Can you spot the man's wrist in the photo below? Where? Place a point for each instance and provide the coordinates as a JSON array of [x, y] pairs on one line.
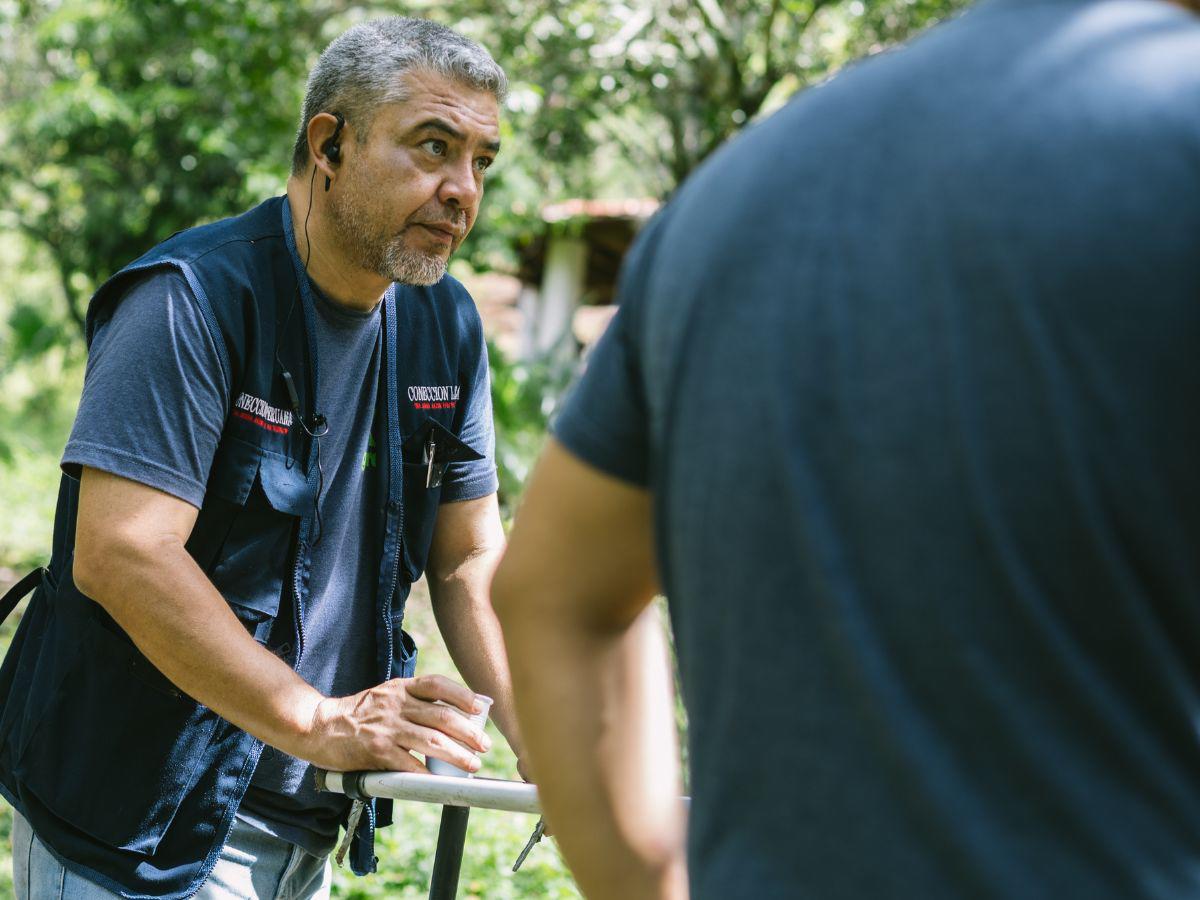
[[302, 722]]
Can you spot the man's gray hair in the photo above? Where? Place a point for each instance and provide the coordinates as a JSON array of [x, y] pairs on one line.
[[359, 72]]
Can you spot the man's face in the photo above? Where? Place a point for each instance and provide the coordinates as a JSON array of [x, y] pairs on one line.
[[407, 197]]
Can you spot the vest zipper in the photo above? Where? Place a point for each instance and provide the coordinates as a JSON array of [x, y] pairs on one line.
[[395, 575], [395, 508], [395, 474], [300, 549]]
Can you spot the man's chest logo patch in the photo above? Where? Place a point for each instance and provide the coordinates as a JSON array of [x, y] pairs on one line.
[[434, 396], [261, 413]]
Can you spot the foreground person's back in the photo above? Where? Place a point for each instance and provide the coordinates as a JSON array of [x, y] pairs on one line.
[[920, 363]]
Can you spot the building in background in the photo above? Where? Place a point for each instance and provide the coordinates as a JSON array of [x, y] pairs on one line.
[[563, 296]]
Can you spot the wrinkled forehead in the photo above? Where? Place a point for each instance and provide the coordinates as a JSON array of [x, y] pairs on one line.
[[423, 95]]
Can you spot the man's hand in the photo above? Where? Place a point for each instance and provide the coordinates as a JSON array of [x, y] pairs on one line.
[[380, 728]]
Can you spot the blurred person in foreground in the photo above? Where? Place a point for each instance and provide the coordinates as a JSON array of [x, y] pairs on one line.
[[900, 412], [285, 420]]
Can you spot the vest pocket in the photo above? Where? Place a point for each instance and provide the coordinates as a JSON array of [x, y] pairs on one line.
[[404, 652], [426, 452], [263, 497], [116, 747], [420, 515]]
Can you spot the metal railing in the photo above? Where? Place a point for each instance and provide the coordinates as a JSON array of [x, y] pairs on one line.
[[456, 795]]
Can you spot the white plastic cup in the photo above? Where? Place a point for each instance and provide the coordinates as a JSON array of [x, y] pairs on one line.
[[441, 767]]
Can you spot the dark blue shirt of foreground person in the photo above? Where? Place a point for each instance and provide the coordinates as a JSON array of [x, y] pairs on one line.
[[912, 372]]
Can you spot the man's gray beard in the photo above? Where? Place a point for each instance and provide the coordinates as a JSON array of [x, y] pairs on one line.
[[381, 255], [411, 267]]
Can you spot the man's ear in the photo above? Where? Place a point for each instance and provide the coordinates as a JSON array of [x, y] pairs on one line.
[[325, 135]]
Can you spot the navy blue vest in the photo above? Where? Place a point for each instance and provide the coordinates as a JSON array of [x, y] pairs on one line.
[[132, 783]]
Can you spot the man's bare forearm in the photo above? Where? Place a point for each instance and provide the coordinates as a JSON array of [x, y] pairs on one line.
[[606, 760], [468, 541], [130, 557], [590, 673], [158, 594], [472, 634], [183, 626]]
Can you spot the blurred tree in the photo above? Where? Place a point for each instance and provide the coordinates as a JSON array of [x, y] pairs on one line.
[[660, 84], [122, 121]]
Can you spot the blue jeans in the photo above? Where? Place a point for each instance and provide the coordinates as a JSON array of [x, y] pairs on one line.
[[252, 866]]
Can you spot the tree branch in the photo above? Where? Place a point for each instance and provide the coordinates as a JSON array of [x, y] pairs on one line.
[[817, 6], [754, 97], [64, 275], [69, 294], [680, 164], [727, 48], [769, 75]]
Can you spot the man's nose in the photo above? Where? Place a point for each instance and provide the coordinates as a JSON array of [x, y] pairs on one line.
[[462, 186]]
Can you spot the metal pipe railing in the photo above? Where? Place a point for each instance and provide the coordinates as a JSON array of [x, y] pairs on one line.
[[448, 790], [456, 795]]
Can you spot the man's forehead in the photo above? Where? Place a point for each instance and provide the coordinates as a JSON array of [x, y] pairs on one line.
[[430, 98]]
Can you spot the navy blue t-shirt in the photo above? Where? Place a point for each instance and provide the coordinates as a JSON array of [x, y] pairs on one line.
[[912, 371], [340, 623], [153, 406]]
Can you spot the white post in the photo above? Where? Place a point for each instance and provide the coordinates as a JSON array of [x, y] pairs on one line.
[[563, 283]]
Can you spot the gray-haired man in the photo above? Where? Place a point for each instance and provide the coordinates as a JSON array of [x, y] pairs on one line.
[[285, 421]]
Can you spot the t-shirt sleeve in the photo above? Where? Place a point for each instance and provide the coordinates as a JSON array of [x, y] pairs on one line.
[[155, 393], [476, 478], [603, 419]]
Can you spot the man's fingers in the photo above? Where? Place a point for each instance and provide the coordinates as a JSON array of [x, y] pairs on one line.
[[376, 728], [440, 746], [448, 721], [439, 687], [406, 762]]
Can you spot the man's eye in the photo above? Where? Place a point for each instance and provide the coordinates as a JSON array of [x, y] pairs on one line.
[[434, 146], [483, 162]]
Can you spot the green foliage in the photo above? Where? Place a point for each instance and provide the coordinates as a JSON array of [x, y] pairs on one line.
[[41, 369], [494, 839], [524, 395], [644, 91], [6, 869], [122, 122]]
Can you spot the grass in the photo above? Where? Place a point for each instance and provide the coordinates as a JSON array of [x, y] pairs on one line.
[[7, 577], [6, 873]]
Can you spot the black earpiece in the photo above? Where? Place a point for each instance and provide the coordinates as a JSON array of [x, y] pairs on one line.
[[331, 148]]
